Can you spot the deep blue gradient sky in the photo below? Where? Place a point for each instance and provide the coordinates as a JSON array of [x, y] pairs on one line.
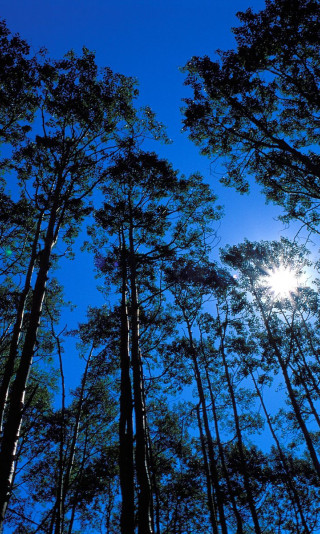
[[150, 40]]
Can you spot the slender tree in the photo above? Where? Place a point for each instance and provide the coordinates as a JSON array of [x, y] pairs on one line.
[[254, 262], [80, 111], [149, 213]]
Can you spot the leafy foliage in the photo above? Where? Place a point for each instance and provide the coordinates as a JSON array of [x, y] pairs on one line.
[[258, 106]]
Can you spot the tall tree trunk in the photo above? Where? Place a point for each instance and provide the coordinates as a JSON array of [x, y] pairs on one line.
[[294, 495], [212, 461], [298, 372], [211, 506], [60, 489], [155, 488], [126, 406], [314, 351], [292, 397], [246, 479], [75, 497], [222, 458], [12, 427], [9, 366], [308, 397], [69, 463], [145, 520]]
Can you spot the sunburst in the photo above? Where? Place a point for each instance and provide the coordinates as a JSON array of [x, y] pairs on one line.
[[282, 281]]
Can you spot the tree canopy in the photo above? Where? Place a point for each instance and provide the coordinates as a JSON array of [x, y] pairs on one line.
[[258, 106], [197, 409]]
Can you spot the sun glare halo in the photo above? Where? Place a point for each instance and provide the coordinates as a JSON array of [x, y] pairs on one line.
[[282, 281]]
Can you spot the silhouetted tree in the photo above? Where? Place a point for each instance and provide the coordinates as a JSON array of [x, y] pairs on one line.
[[258, 106], [81, 111]]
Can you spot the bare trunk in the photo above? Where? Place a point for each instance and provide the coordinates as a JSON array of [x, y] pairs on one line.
[[125, 424], [305, 368], [60, 489], [290, 390], [75, 498], [246, 479], [211, 507], [11, 431], [145, 520], [12, 427], [155, 489], [289, 482], [222, 458], [66, 466], [212, 461], [9, 366]]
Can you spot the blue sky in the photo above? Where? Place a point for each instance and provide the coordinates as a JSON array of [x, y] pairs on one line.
[[149, 40]]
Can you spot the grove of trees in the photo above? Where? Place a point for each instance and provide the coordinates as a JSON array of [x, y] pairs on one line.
[[197, 411]]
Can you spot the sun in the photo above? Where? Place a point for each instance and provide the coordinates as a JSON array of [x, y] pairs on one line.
[[282, 281]]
